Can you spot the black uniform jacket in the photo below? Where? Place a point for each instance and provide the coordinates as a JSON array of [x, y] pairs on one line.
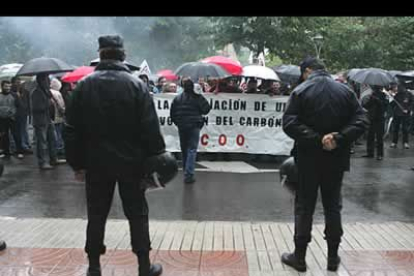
[[320, 106]]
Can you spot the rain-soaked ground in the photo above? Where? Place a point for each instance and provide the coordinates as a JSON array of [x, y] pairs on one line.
[[373, 191]]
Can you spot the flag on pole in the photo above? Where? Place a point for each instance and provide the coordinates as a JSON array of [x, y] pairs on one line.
[[261, 59], [144, 68]]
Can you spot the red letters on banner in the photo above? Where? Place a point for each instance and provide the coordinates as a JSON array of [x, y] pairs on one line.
[[240, 140], [222, 140], [204, 139]]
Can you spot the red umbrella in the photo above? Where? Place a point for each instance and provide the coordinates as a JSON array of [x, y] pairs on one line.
[[168, 74], [78, 74], [231, 66]]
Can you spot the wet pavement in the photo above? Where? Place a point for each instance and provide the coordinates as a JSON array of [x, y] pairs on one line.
[[376, 191]]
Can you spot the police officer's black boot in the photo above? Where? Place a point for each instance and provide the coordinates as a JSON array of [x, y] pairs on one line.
[[145, 267], [333, 259], [94, 268], [296, 259]]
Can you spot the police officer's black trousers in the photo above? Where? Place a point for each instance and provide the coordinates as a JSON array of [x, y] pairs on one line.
[[404, 121], [100, 187], [329, 180], [376, 137]]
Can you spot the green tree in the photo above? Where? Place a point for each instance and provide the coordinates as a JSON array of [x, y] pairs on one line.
[[286, 37], [349, 42], [254, 33]]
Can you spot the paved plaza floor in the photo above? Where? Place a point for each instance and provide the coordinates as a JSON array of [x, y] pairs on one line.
[[236, 220]]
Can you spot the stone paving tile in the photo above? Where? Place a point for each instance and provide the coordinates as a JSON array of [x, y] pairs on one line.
[[399, 260], [179, 260], [25, 271], [55, 247], [79, 270], [78, 257], [223, 261], [38, 257], [364, 260], [73, 262], [224, 273], [125, 259]]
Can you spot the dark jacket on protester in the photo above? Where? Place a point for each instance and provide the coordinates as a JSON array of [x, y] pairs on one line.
[[41, 106], [376, 104], [8, 106], [187, 110], [112, 123], [26, 92], [22, 102], [254, 91], [65, 91], [405, 102], [19, 107], [320, 106]]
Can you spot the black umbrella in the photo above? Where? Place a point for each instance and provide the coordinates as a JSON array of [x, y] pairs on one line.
[[373, 76], [44, 65], [196, 70], [351, 73], [288, 73], [129, 65], [59, 75], [405, 76], [395, 72]]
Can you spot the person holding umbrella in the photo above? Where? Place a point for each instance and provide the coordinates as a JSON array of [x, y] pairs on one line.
[[43, 113], [252, 87], [377, 104], [323, 117], [41, 106], [187, 110]]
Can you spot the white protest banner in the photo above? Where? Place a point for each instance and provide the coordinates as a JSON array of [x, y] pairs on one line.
[[239, 123]]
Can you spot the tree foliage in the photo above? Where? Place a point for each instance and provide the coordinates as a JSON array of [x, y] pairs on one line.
[[167, 42], [349, 42]]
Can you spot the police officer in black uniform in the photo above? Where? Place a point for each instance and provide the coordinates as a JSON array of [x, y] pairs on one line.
[[112, 128], [323, 117]]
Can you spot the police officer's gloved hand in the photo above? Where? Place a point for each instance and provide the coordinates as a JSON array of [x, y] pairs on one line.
[[339, 138]]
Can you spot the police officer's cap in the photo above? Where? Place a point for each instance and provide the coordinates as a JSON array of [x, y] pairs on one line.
[[310, 62], [110, 41]]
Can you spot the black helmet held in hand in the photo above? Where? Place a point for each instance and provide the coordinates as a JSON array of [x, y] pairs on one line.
[[289, 174], [159, 170]]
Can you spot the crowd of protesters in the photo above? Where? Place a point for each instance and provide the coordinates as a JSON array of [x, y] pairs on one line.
[[39, 105], [32, 113], [214, 85]]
